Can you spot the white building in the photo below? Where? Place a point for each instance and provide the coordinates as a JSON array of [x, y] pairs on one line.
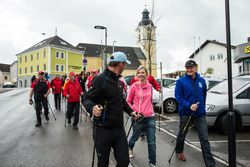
[[213, 54], [13, 73]]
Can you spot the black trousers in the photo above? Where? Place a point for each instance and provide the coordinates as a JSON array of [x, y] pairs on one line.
[[71, 107], [39, 103], [111, 138], [57, 98]]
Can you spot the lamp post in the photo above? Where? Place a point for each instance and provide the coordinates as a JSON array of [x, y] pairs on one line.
[[114, 46], [230, 114], [105, 55]]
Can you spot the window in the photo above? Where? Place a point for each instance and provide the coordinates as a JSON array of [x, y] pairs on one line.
[[57, 54], [20, 60], [44, 67], [37, 68], [62, 68], [212, 57], [5, 77], [20, 71], [57, 67], [31, 69], [25, 59], [62, 55], [31, 57], [25, 70], [244, 94], [220, 56], [37, 56], [44, 54]]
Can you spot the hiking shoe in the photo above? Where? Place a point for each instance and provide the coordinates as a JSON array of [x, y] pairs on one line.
[[38, 124], [181, 156], [151, 165], [47, 117], [69, 121], [130, 152], [143, 136], [75, 128]]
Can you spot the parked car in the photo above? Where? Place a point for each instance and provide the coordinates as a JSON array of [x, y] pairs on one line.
[[217, 104], [169, 103], [128, 79], [8, 85]]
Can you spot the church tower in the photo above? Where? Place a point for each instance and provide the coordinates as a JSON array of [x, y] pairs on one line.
[[146, 40]]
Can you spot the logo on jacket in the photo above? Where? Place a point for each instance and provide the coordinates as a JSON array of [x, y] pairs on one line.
[[200, 85]]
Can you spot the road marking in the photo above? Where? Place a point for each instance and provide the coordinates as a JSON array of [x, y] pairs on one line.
[[222, 141], [195, 147]]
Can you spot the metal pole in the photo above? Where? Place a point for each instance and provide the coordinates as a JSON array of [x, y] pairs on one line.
[[162, 109], [230, 115], [105, 56]]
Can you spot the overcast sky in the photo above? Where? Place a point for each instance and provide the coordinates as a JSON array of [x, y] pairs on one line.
[[22, 23]]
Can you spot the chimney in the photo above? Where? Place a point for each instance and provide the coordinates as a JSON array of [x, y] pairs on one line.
[[248, 39]]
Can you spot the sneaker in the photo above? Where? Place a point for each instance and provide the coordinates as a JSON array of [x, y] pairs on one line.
[[38, 124], [143, 136], [130, 152], [47, 117], [69, 121], [151, 165], [181, 156], [75, 128]]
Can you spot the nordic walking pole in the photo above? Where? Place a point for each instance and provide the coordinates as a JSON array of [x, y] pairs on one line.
[[162, 109], [51, 110], [159, 114], [93, 157], [183, 131], [126, 121], [130, 127]]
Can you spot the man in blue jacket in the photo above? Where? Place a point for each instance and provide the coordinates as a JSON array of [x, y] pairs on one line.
[[190, 93]]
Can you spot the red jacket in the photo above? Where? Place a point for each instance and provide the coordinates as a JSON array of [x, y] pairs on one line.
[[56, 85], [150, 79], [89, 81], [74, 90]]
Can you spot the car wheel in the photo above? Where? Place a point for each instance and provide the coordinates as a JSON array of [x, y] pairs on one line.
[[170, 106], [222, 124]]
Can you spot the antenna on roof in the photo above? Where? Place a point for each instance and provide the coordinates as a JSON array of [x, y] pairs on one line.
[[56, 31]]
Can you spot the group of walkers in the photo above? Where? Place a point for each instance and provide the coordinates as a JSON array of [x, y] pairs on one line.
[[71, 89], [105, 101]]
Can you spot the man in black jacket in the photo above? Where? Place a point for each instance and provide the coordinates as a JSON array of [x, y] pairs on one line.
[[105, 101]]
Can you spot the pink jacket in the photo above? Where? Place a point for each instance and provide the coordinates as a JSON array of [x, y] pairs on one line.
[[141, 95]]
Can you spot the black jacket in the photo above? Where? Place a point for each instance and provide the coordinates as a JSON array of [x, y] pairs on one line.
[[106, 89]]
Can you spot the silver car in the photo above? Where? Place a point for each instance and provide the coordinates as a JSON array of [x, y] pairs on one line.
[[217, 104], [169, 103]]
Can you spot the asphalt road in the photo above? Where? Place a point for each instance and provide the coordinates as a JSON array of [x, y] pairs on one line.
[[23, 144], [51, 145]]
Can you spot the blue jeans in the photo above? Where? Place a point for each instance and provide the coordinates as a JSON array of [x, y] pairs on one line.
[[201, 127], [148, 126]]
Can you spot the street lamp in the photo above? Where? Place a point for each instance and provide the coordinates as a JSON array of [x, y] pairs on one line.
[[105, 55], [114, 46]]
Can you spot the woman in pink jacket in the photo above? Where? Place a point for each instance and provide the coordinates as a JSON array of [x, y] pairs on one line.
[[140, 93]]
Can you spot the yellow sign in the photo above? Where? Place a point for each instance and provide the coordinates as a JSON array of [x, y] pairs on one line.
[[247, 49]]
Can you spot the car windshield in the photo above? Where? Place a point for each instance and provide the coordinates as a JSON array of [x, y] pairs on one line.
[[166, 82], [222, 88]]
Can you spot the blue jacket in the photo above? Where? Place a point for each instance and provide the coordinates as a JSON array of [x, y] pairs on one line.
[[188, 92]]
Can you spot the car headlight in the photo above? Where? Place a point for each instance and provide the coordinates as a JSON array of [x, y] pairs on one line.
[[209, 107]]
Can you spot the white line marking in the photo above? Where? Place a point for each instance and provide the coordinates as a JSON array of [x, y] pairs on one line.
[[195, 147], [222, 141]]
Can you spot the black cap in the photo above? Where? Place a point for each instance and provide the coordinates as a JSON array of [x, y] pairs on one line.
[[190, 63]]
